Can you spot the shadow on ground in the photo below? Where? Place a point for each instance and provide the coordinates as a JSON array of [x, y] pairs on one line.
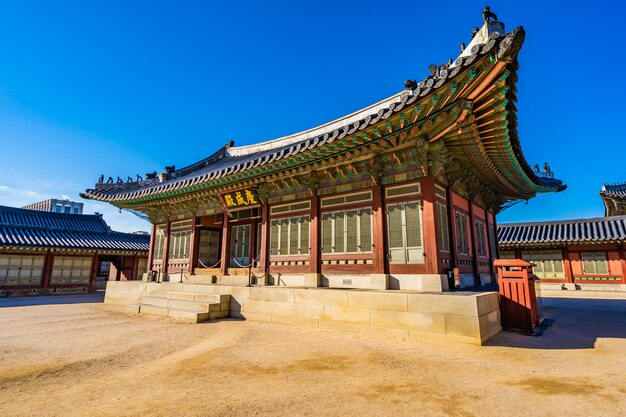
[[578, 324], [48, 300]]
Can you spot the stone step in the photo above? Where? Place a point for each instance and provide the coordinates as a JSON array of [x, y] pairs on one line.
[[187, 315], [239, 280], [179, 313], [178, 295], [172, 303]]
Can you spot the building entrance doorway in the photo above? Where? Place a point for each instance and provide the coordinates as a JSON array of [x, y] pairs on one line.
[[209, 249], [240, 246]]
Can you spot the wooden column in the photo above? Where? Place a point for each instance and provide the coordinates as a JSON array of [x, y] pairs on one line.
[[622, 256], [315, 233], [94, 271], [225, 245], [451, 234], [166, 248], [252, 246], [151, 249], [429, 230], [47, 269], [136, 268], [495, 235], [492, 256], [474, 245], [378, 234], [265, 232], [567, 267], [193, 245]]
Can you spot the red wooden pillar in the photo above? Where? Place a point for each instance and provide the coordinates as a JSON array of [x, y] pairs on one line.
[[473, 243], [622, 257], [265, 233], [567, 266], [428, 225], [380, 251], [194, 243], [47, 269], [166, 248], [252, 247], [315, 261], [451, 229], [225, 245], [151, 249], [495, 236], [136, 271], [94, 271], [492, 241]]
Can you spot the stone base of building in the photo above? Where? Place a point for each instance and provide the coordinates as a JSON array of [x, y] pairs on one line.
[[33, 292], [409, 282], [555, 286], [455, 316]]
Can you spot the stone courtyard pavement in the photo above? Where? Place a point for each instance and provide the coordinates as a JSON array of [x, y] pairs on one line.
[[86, 359]]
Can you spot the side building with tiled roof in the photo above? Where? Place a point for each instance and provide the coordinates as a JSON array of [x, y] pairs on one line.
[[45, 252], [579, 253], [614, 199]]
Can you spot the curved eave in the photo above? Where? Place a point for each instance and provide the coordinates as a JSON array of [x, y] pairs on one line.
[[490, 150], [488, 142]]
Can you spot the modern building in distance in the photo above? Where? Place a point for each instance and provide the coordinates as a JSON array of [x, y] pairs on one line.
[[57, 206], [43, 252], [393, 196]]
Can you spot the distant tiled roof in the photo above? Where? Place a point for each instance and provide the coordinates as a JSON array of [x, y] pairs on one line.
[[578, 231], [614, 199], [31, 228], [617, 191]]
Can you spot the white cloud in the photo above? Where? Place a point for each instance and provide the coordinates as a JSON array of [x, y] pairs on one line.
[[120, 222], [16, 197]]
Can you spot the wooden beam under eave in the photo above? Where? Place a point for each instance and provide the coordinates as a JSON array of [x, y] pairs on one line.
[[462, 115], [495, 71]]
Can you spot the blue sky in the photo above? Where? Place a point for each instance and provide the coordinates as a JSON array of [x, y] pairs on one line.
[[127, 87]]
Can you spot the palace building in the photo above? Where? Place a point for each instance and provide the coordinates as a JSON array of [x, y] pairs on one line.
[[402, 194]]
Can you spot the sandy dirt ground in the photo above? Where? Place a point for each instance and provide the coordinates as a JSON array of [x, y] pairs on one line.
[[89, 360]]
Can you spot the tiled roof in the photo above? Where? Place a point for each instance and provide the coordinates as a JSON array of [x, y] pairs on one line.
[[231, 161], [31, 228], [577, 231], [617, 191]]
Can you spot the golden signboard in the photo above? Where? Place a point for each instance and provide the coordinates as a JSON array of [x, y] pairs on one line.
[[241, 198]]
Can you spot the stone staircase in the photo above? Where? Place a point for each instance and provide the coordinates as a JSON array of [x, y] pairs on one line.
[[182, 305]]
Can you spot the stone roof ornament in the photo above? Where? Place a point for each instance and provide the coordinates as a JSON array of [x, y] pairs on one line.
[[546, 167], [488, 15], [410, 84]]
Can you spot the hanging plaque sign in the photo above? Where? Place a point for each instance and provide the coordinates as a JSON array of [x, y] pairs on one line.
[[241, 198]]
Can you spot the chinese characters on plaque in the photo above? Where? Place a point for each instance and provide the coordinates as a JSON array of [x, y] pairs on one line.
[[242, 198]]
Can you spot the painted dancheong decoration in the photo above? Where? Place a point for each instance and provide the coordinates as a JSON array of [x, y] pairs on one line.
[[392, 196]]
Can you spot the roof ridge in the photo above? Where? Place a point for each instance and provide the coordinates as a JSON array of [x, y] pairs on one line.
[[565, 221]]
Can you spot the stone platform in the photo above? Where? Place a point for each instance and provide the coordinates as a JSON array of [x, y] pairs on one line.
[[456, 316]]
